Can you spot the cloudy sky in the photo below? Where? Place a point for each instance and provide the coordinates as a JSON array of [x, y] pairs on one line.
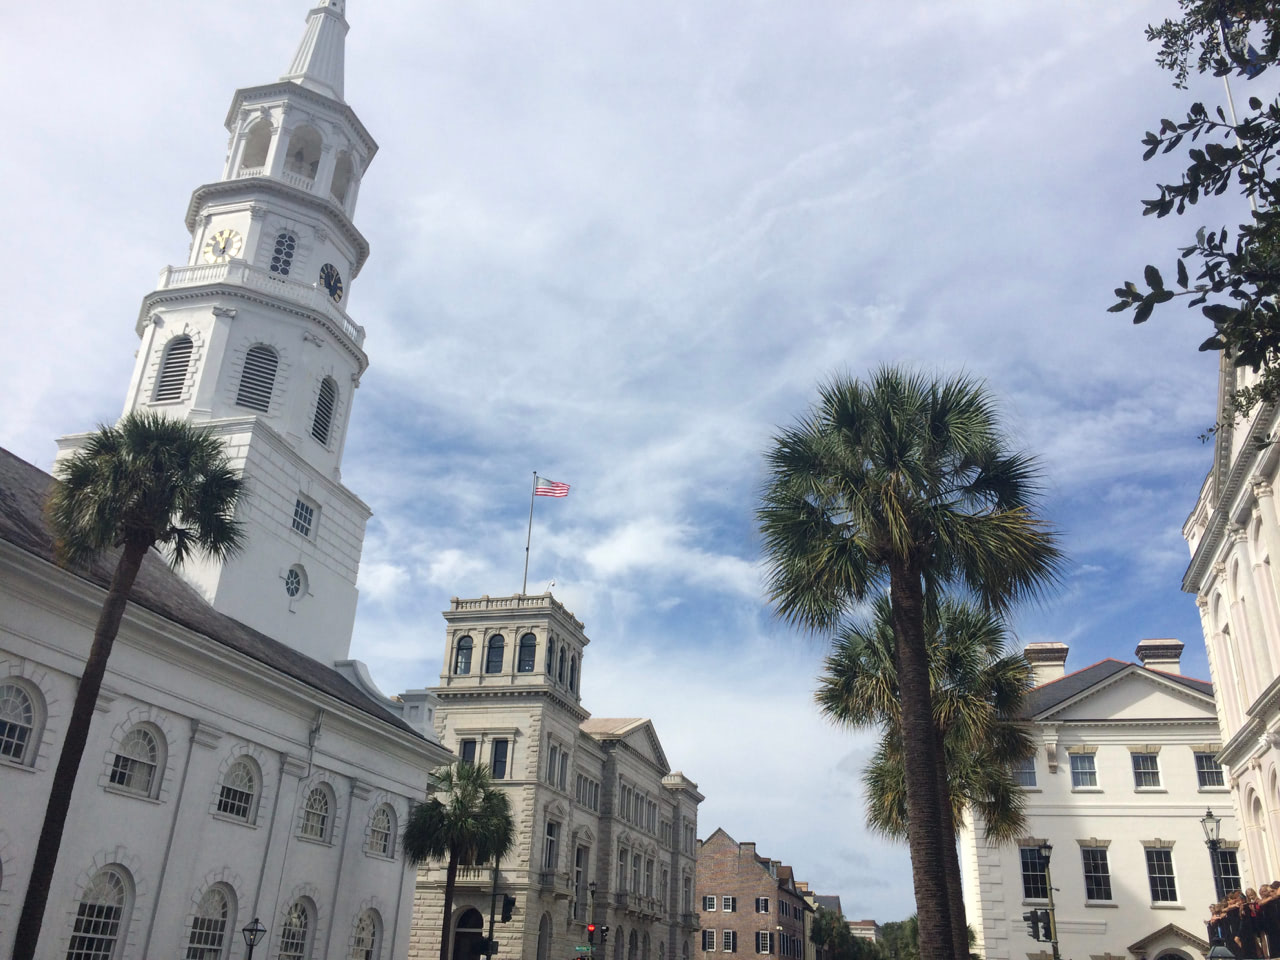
[[620, 244]]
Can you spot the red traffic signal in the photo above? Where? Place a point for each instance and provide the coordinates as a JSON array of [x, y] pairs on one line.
[[591, 933]]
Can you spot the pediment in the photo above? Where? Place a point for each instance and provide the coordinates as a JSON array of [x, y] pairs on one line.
[[643, 739], [1133, 694], [1170, 935]]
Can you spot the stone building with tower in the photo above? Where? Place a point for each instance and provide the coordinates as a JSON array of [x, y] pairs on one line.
[[1233, 532], [606, 831], [239, 765]]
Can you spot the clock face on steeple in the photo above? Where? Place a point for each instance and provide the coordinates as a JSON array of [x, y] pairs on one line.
[[331, 280], [222, 246]]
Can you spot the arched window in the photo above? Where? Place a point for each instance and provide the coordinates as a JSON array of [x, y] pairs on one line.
[[316, 814], [633, 946], [573, 673], [493, 657], [326, 400], [173, 370], [367, 936], [282, 253], [303, 156], [551, 656], [544, 938], [102, 917], [238, 792], [528, 650], [560, 671], [210, 925], [462, 657], [382, 831], [19, 718], [258, 378], [295, 932], [342, 171], [256, 145], [136, 761]]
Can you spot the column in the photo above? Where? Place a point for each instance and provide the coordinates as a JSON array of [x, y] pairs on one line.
[[1270, 540]]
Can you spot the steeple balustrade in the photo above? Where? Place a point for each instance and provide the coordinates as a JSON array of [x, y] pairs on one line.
[[297, 180], [249, 172], [245, 274]]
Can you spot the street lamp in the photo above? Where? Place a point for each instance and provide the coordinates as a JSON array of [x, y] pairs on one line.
[[253, 935], [1046, 851], [1213, 838]]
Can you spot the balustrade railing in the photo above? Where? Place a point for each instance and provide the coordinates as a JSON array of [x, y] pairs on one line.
[[249, 172], [297, 179]]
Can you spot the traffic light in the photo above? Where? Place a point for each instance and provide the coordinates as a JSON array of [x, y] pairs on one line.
[[508, 905], [1033, 924], [604, 934], [1044, 924], [591, 933]]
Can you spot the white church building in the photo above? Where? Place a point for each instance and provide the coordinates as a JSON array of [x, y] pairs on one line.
[[239, 765]]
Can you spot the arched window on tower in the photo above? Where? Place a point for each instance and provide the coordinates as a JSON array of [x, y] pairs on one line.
[[551, 657], [560, 669], [493, 658], [303, 155], [528, 650], [573, 674], [326, 400], [342, 171], [173, 370], [258, 378], [462, 658], [256, 145]]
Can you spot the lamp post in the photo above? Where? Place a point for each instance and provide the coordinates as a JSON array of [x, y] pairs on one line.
[[1213, 840], [1046, 851], [253, 934]]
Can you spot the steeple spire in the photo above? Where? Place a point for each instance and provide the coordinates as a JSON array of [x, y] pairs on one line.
[[318, 64]]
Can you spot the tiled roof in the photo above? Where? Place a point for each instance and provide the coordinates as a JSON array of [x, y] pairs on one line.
[[1049, 695], [23, 490]]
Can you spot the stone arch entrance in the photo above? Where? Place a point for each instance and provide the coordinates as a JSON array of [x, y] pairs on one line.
[[467, 935], [544, 937]]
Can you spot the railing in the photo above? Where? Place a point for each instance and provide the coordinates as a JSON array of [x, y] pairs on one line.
[[249, 172], [247, 275], [558, 883], [297, 179], [689, 920], [517, 602]]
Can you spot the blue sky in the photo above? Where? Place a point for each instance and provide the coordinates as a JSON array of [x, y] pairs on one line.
[[620, 246]]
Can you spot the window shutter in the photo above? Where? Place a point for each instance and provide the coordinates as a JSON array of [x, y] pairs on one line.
[[173, 369], [326, 400], [258, 378]]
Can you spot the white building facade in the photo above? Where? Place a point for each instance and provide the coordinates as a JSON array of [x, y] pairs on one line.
[[238, 765], [1123, 772], [1233, 532], [605, 829]]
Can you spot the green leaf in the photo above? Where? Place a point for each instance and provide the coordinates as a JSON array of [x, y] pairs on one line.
[[1220, 313], [1153, 278], [1119, 307], [1183, 279], [1143, 312]]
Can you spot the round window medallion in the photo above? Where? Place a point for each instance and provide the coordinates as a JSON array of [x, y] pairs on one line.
[[294, 582]]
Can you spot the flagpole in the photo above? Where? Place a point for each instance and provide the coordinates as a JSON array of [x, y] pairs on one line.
[[524, 585]]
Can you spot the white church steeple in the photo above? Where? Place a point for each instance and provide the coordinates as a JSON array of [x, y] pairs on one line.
[[252, 338]]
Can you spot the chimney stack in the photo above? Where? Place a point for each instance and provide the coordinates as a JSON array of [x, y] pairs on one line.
[[1048, 660], [1163, 655]]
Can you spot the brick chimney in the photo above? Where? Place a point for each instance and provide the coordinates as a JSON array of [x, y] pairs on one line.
[[1048, 660], [1161, 654]]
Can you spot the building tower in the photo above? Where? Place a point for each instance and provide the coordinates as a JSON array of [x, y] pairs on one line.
[[251, 338]]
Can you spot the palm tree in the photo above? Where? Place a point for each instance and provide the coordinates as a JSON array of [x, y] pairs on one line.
[[150, 480], [978, 694], [905, 481], [464, 818]]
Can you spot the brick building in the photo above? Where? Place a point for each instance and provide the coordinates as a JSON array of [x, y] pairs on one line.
[[747, 902]]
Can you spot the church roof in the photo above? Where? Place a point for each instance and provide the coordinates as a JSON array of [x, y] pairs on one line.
[[23, 490], [1049, 695]]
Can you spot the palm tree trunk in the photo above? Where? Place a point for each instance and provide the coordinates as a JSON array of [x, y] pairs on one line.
[[955, 891], [77, 735], [450, 878], [925, 837]]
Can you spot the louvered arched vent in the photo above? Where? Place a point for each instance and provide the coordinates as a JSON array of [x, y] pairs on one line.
[[325, 402], [258, 378], [173, 369]]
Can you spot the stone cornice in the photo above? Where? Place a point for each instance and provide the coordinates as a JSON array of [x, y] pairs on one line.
[[450, 695], [253, 188]]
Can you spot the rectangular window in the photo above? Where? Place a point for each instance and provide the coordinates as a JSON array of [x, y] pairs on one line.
[[1160, 872], [1097, 873], [764, 942], [467, 751], [498, 764], [1024, 772], [550, 852], [1146, 770], [635, 872], [762, 904], [1083, 771], [1209, 772], [1229, 870], [622, 869], [1034, 884], [728, 904], [648, 878], [553, 764], [564, 769], [729, 941], [708, 940], [303, 515]]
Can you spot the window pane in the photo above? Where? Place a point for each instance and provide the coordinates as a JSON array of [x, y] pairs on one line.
[[1025, 772], [99, 918], [1209, 771], [1097, 875], [17, 719], [1083, 773], [1034, 885], [499, 765], [1160, 873], [237, 791], [493, 661], [1146, 770], [1229, 870]]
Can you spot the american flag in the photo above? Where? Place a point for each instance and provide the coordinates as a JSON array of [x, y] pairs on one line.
[[542, 487]]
